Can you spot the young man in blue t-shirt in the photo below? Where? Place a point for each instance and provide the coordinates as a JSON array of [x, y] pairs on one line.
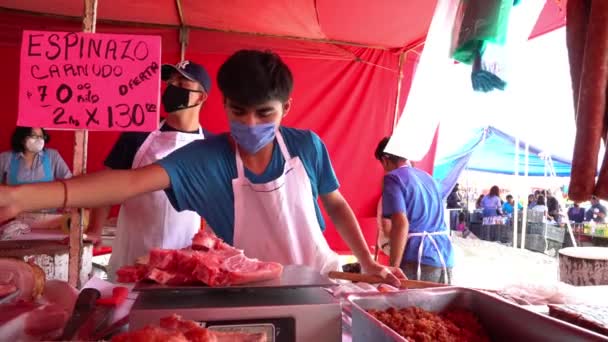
[[419, 240], [257, 187]]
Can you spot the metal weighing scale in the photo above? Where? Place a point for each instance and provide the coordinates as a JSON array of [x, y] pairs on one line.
[[294, 307]]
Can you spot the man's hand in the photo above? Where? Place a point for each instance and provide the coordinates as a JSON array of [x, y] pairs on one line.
[[393, 275], [9, 208]]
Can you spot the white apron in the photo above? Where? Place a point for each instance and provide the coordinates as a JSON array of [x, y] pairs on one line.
[[149, 220], [277, 221], [424, 236]]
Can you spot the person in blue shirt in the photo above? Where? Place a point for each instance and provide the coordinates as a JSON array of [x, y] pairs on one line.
[[257, 186], [507, 207], [419, 238]]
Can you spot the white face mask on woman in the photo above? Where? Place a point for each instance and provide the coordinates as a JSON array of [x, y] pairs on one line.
[[34, 145]]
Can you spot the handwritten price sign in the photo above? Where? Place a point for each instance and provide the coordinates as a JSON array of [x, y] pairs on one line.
[[100, 82]]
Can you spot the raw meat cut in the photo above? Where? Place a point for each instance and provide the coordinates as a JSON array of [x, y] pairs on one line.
[[29, 321], [243, 270], [27, 277], [175, 329], [40, 319], [163, 259], [7, 289], [209, 260], [131, 274]]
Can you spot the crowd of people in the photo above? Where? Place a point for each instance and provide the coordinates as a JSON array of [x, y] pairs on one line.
[[541, 201]]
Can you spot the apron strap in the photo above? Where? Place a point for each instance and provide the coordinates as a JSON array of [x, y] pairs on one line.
[[423, 236], [13, 170], [46, 166], [282, 145], [240, 169]]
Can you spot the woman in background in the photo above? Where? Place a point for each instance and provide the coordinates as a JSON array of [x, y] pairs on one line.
[[29, 161], [491, 203], [541, 207], [492, 215]]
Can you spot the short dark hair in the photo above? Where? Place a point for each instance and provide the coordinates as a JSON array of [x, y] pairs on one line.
[[540, 200], [509, 197], [379, 153], [19, 135], [252, 77]]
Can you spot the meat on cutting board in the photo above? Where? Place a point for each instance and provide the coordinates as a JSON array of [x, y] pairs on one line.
[[175, 329], [30, 321], [209, 260], [27, 277], [7, 289], [42, 307]]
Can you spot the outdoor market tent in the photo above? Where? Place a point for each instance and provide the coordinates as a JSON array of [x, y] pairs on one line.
[[345, 56], [492, 150]]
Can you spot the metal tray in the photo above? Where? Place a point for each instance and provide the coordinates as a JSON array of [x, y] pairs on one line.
[[502, 320], [293, 276]]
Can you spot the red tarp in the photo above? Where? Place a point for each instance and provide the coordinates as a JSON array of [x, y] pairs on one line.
[[344, 93]]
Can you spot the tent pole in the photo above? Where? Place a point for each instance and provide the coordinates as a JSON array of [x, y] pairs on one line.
[[524, 219], [81, 138], [183, 30], [516, 193], [183, 39], [399, 81]]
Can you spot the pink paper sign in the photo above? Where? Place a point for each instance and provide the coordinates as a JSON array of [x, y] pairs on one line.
[[99, 82]]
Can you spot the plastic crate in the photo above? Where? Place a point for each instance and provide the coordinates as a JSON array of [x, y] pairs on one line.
[[535, 228], [489, 232], [536, 242], [506, 235], [556, 233], [535, 216]]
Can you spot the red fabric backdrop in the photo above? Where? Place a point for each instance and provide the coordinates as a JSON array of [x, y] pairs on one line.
[[346, 95]]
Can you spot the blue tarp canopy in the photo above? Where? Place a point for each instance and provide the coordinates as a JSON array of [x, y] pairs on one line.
[[491, 150]]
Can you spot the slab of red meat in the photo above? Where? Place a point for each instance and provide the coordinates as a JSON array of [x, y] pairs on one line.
[[163, 259], [242, 270], [203, 240], [170, 277], [27, 277], [27, 321], [151, 334], [131, 274], [174, 328], [175, 322], [7, 289], [210, 272], [210, 261]]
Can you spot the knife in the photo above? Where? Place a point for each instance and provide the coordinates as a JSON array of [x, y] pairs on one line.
[[84, 307], [103, 313]]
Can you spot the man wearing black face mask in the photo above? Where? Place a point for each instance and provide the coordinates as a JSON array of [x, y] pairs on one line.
[[148, 221]]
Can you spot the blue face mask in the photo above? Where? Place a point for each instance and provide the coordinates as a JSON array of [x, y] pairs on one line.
[[252, 138]]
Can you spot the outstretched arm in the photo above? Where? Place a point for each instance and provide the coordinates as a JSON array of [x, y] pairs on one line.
[[89, 191], [346, 224]]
